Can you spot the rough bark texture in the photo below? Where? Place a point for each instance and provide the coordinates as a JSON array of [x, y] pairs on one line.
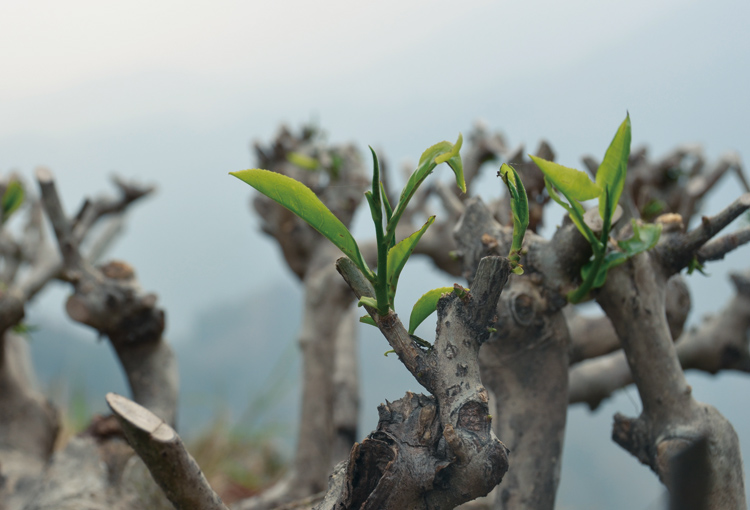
[[430, 452], [434, 451], [531, 338], [634, 299], [592, 337], [720, 342]]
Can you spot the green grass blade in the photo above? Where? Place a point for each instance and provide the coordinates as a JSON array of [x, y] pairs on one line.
[[303, 202], [611, 172], [399, 254], [425, 306], [572, 183]]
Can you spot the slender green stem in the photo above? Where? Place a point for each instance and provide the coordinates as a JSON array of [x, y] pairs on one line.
[[600, 250], [376, 207], [577, 295]]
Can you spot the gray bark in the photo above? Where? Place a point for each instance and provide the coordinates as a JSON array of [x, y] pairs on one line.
[[532, 338], [633, 297], [720, 342], [430, 452]]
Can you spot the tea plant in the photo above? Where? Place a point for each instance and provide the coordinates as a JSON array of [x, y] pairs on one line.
[[391, 255], [576, 187]]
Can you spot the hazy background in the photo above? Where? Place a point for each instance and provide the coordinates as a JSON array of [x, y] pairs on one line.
[[173, 93]]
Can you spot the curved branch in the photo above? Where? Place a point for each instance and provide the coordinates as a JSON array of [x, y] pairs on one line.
[[633, 297], [677, 253], [719, 343], [109, 299], [592, 337]]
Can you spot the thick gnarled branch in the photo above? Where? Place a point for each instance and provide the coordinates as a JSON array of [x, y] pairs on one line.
[[109, 299], [440, 451]]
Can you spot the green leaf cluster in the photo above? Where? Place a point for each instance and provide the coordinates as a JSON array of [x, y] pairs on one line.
[[569, 187], [392, 256]]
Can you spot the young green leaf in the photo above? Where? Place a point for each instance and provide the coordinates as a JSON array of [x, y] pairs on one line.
[[424, 307], [368, 301], [695, 265], [12, 199], [399, 254], [644, 238], [25, 329], [366, 319], [611, 172], [519, 205], [303, 161], [576, 212], [376, 208], [303, 202], [386, 203], [443, 152], [453, 158], [572, 183]]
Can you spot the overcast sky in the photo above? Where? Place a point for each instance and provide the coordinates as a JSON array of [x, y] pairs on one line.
[[173, 93]]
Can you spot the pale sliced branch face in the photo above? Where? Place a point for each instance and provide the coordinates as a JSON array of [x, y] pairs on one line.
[[161, 449]]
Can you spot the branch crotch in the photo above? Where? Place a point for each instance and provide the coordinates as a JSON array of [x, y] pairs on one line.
[[431, 452]]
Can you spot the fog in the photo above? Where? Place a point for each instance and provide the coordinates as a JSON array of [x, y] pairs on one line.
[[173, 93]]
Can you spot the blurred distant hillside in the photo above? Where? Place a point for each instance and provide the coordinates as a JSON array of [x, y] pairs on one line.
[[236, 353]]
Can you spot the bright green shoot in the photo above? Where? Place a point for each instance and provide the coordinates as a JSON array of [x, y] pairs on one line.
[[519, 205], [12, 199], [575, 186], [392, 256]]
